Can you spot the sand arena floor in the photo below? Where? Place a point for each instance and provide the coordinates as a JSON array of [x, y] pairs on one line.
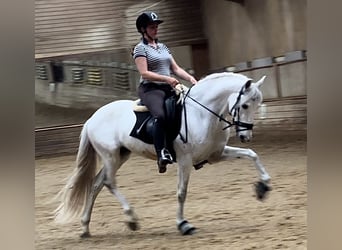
[[220, 203]]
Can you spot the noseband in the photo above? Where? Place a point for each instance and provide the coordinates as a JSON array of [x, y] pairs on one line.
[[238, 123]]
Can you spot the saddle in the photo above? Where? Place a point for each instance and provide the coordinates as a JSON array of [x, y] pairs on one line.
[[142, 129]]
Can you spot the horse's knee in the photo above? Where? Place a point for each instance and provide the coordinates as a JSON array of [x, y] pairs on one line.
[[252, 154]]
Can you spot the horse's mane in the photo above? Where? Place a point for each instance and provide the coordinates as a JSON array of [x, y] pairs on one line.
[[222, 74], [254, 94]]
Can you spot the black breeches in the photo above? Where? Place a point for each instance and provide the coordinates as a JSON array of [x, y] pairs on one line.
[[153, 96]]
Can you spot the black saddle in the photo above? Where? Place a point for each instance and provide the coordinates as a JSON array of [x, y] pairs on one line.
[[144, 124]]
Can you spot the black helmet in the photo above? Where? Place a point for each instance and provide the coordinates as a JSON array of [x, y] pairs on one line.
[[146, 18]]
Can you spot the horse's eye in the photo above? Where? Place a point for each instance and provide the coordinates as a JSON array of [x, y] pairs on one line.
[[244, 106]]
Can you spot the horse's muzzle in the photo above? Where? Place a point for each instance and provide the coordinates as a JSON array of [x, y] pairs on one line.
[[244, 138]]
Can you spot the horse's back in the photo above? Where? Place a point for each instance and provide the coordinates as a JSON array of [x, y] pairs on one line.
[[111, 121], [110, 110]]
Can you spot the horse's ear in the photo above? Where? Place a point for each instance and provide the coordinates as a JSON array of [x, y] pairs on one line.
[[248, 84], [261, 81]]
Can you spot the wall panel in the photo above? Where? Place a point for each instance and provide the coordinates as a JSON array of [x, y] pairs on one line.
[[67, 27]]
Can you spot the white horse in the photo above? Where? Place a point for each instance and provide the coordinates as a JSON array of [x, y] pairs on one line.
[[202, 139]]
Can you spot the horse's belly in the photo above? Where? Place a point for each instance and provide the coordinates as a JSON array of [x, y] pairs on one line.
[[211, 153]]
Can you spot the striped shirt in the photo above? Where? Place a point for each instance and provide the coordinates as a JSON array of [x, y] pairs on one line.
[[158, 59]]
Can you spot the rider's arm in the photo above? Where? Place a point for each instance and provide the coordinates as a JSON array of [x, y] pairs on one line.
[[141, 64], [181, 72]]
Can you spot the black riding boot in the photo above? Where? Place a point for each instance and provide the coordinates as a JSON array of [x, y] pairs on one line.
[[159, 140]]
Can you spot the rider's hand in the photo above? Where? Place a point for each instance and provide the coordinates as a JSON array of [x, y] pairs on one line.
[[192, 80], [172, 81]]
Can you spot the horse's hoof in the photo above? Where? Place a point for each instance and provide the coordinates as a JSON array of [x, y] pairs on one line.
[[186, 228], [161, 169], [261, 190], [85, 235], [134, 226]]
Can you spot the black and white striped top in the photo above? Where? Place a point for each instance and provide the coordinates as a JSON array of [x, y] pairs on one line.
[[158, 59]]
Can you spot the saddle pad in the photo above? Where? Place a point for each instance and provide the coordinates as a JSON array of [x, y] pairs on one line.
[[138, 107], [139, 130]]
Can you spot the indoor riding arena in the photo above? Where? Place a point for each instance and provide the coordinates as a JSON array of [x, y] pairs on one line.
[[83, 61], [221, 202]]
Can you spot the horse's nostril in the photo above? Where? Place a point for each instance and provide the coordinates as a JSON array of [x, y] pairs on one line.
[[244, 138]]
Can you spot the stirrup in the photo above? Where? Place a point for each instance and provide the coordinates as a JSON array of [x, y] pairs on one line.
[[166, 156], [164, 159]]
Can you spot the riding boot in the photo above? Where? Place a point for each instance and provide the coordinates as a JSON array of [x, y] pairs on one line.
[[159, 140]]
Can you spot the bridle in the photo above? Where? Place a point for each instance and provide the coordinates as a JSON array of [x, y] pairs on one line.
[[234, 112]]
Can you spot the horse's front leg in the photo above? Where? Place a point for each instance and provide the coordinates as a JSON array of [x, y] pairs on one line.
[[262, 187], [184, 170]]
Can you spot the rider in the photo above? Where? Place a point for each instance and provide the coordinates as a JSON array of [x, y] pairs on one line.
[[154, 63]]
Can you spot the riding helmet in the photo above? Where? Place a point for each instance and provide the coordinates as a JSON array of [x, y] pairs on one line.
[[146, 18]]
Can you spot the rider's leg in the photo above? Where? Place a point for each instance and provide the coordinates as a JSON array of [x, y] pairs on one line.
[[153, 98], [159, 137]]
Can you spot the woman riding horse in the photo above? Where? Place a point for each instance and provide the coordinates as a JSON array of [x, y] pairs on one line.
[[155, 63]]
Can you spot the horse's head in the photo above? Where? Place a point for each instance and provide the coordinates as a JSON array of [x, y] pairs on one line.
[[243, 106]]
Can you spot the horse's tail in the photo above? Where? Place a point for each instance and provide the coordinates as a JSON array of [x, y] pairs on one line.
[[78, 187]]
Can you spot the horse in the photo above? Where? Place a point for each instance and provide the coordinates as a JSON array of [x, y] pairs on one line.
[[203, 138]]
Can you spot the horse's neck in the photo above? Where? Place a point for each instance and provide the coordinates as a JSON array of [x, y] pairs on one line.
[[210, 94], [213, 93]]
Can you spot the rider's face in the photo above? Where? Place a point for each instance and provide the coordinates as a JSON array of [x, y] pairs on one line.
[[152, 30]]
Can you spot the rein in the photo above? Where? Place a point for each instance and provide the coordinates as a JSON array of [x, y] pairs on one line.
[[221, 118]]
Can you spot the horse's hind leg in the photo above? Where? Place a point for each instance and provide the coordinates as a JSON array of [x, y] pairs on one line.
[[96, 188], [132, 219], [98, 183], [112, 166]]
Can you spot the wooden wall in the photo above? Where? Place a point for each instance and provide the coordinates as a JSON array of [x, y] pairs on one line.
[[287, 115], [56, 141], [66, 27]]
